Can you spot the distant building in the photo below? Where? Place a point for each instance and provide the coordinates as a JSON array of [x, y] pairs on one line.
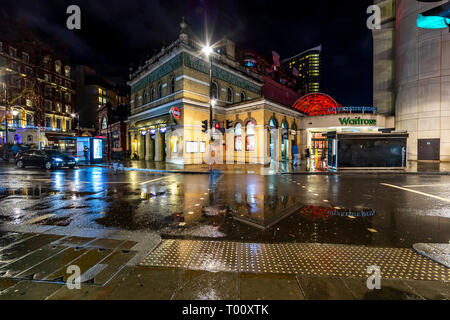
[[307, 67], [95, 91], [112, 126], [40, 95], [279, 85]]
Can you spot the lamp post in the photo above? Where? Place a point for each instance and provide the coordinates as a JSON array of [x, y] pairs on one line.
[[6, 122], [207, 50]]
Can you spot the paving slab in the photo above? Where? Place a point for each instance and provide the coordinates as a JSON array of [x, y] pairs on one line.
[[89, 292], [390, 290], [269, 287], [30, 260], [29, 290], [148, 284], [202, 285], [324, 288]]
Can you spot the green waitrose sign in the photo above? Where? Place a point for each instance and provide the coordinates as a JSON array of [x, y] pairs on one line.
[[357, 122]]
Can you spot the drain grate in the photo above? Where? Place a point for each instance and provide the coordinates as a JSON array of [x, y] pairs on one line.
[[295, 258]]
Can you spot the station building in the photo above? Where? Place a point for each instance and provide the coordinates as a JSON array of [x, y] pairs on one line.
[[170, 97]]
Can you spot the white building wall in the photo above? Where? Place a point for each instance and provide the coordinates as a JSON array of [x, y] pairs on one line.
[[422, 79]]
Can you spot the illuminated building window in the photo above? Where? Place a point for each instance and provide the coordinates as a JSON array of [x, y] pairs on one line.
[[230, 95], [215, 90], [172, 85], [159, 90], [238, 137], [250, 136], [242, 96], [145, 97]]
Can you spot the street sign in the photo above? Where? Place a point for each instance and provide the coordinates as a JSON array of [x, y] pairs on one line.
[[175, 112]]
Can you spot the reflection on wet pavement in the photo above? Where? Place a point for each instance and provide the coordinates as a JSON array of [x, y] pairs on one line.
[[351, 209]]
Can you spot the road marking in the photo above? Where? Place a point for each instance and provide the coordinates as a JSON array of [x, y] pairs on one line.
[[427, 185], [157, 179], [418, 192], [45, 216]]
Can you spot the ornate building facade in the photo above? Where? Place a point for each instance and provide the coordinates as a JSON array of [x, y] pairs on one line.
[[170, 100]]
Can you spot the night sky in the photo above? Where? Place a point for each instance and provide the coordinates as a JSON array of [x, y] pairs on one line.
[[117, 33]]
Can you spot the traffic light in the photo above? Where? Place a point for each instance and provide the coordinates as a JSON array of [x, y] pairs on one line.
[[229, 124], [218, 125], [205, 126]]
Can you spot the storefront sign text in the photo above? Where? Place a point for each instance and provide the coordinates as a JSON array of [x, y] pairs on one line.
[[357, 122]]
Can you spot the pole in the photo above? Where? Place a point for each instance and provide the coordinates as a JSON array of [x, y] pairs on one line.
[[210, 97], [6, 123], [210, 112]]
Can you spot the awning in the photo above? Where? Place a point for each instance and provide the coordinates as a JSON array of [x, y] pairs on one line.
[[154, 123]]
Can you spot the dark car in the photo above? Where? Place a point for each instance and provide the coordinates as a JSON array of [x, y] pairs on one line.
[[44, 158]]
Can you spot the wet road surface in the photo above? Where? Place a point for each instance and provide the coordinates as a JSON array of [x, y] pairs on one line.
[[389, 210]]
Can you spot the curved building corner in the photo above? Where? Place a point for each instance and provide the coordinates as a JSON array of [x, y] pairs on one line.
[[412, 77]]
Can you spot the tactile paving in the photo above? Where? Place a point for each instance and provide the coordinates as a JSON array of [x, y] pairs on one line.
[[296, 258]]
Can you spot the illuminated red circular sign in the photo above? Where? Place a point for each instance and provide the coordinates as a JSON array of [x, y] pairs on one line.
[[176, 113]]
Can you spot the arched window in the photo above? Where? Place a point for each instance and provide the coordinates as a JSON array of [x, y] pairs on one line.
[[242, 96], [145, 97], [215, 90], [230, 95], [284, 125], [250, 136], [159, 90], [104, 123], [238, 129], [172, 84], [273, 123], [152, 94], [294, 126], [238, 137]]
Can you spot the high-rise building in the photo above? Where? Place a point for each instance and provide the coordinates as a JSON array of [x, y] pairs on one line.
[[412, 77], [94, 92], [307, 67]]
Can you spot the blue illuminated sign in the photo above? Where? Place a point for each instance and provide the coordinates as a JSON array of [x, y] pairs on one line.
[[356, 109], [432, 22]]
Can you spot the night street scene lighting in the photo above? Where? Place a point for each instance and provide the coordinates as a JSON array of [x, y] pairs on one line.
[[257, 154]]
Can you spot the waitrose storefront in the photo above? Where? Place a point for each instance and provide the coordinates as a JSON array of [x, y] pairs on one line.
[[315, 129]]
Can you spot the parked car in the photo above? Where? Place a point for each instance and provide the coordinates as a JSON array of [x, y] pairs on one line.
[[47, 159]]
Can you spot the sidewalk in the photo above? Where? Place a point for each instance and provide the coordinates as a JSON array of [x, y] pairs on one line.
[[114, 260], [413, 167]]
